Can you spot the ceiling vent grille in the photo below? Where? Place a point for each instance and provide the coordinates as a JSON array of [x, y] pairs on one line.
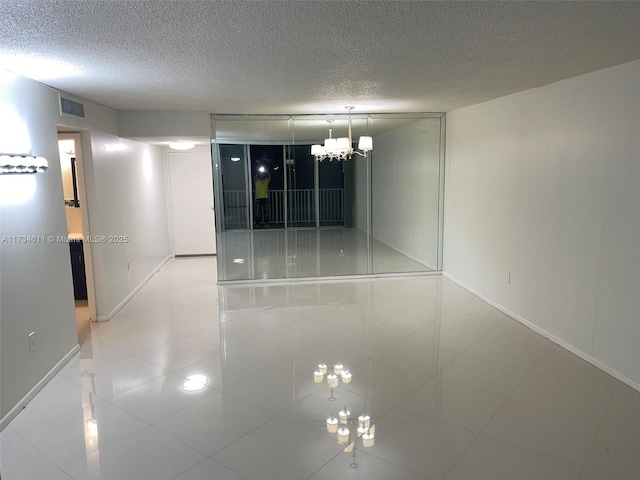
[[72, 108]]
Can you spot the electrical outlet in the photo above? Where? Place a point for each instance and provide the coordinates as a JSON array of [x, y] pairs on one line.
[[32, 341], [509, 278]]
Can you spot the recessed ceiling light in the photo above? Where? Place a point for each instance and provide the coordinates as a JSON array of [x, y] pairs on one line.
[[235, 159], [181, 145], [238, 260]]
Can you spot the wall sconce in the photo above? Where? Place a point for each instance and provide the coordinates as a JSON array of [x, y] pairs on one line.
[[14, 164]]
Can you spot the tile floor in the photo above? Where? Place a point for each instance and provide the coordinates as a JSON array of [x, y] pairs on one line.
[[310, 253], [456, 390]]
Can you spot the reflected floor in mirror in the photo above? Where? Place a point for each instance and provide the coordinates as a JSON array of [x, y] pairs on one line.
[[303, 253], [405, 378]]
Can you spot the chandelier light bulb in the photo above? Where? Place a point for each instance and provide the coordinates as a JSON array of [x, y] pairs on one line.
[[332, 424], [365, 144], [344, 416], [364, 420], [343, 435]]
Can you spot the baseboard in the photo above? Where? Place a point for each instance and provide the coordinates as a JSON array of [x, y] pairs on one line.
[[36, 389], [112, 313], [550, 336]]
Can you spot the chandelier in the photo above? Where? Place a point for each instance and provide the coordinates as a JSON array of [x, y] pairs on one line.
[[341, 148]]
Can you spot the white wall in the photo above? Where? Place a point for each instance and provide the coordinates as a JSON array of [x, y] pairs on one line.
[[36, 292], [126, 190], [134, 123], [405, 182], [191, 181], [544, 184], [129, 195], [126, 184]]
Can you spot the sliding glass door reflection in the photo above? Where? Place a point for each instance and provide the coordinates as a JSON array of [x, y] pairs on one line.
[[363, 216]]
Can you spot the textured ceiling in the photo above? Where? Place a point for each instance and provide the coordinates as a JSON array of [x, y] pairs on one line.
[[310, 57]]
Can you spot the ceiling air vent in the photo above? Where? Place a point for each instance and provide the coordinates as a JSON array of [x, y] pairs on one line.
[[71, 107]]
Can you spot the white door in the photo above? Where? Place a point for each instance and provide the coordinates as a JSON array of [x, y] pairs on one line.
[[192, 203]]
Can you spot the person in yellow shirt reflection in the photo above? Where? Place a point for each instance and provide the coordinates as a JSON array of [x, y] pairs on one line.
[[261, 183]]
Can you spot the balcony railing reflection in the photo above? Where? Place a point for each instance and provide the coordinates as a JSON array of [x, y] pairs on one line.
[[300, 207]]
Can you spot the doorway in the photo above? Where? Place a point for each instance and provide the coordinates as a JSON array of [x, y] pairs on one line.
[[74, 193], [192, 214]]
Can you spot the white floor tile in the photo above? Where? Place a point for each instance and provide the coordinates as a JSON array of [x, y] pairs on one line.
[[159, 398], [564, 382], [499, 348], [93, 354], [489, 459], [624, 409], [369, 468], [454, 404], [58, 398], [615, 452], [146, 455], [415, 357], [483, 375], [210, 470], [139, 339], [272, 348], [385, 383], [82, 432], [21, 461], [280, 450], [213, 423], [225, 369], [435, 335], [432, 364], [421, 445], [178, 354], [274, 389], [117, 377], [313, 411], [567, 436]]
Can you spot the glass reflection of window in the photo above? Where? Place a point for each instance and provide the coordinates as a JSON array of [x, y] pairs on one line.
[[376, 215]]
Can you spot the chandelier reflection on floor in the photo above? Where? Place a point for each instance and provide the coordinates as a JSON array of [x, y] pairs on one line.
[[347, 428]]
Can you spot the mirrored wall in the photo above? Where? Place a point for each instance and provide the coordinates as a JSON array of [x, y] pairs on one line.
[[281, 213]]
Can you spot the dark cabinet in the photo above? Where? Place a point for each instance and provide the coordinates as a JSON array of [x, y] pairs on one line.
[[77, 269]]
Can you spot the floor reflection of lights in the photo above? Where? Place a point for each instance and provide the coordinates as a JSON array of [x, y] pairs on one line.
[[453, 388]]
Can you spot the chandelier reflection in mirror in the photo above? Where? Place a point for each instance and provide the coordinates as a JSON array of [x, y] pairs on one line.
[[346, 427], [342, 148]]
